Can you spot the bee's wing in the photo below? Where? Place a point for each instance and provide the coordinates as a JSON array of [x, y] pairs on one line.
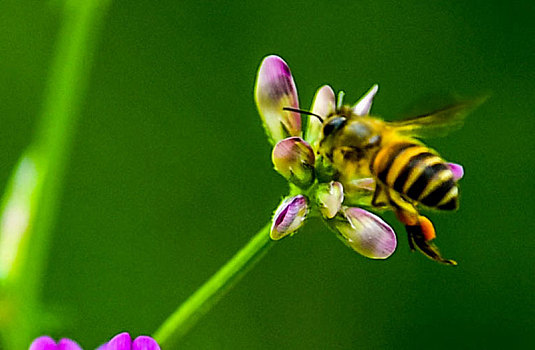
[[438, 123]]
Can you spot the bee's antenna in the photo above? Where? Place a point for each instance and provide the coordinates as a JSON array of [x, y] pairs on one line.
[[302, 112]]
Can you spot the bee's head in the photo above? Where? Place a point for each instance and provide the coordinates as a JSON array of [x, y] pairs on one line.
[[332, 127], [339, 130]]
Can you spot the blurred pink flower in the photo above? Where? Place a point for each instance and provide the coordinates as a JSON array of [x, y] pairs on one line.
[[121, 341]]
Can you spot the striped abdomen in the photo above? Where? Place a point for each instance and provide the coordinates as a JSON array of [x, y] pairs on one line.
[[416, 172]]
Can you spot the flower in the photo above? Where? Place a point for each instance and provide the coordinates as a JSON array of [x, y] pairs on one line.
[[365, 233], [313, 190], [294, 159], [275, 89], [289, 217], [47, 343], [329, 198], [121, 341]]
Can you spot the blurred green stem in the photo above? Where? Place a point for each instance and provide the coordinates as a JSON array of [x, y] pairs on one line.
[[200, 302], [30, 203]]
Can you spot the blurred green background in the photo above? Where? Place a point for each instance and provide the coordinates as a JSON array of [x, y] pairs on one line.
[[170, 174]]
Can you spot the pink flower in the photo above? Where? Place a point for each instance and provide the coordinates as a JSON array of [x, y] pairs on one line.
[[313, 189], [121, 341], [47, 343]]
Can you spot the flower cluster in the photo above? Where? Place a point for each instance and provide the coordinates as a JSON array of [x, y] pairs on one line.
[[121, 341], [313, 190]]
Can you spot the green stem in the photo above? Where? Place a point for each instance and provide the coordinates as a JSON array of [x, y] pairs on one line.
[[200, 302], [31, 201]]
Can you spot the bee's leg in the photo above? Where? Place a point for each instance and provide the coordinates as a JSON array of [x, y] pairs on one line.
[[421, 233], [419, 236], [410, 219], [380, 196]]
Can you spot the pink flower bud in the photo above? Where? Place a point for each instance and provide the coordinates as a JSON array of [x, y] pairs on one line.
[[366, 233], [274, 90], [289, 217], [329, 198], [294, 159], [457, 170], [364, 105], [323, 105]]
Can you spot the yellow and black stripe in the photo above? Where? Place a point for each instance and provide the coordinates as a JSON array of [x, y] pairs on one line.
[[416, 172]]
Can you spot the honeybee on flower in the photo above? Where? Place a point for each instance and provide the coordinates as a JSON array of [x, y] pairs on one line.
[[347, 160]]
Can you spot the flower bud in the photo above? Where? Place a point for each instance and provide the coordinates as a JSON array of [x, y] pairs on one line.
[[366, 233], [457, 170], [323, 105], [329, 198], [274, 90], [289, 217], [293, 158], [364, 105]]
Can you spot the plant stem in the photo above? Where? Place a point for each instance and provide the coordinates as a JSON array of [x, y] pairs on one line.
[[30, 204], [200, 302]]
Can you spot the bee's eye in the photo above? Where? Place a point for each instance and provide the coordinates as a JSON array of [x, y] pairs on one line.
[[333, 125]]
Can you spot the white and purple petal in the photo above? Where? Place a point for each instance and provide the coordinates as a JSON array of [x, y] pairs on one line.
[[274, 90], [289, 217], [329, 197], [457, 170], [294, 159], [364, 105], [365, 184], [366, 233], [323, 105]]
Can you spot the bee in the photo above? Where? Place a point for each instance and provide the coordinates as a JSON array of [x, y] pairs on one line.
[[406, 173]]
